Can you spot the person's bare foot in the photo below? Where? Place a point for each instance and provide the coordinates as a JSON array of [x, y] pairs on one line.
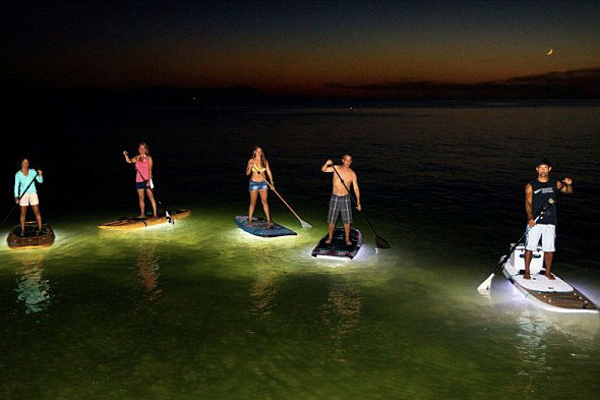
[[328, 241], [527, 276], [551, 277], [141, 216], [348, 243], [269, 225]]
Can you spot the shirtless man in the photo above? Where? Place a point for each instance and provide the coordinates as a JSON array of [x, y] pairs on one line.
[[341, 202]]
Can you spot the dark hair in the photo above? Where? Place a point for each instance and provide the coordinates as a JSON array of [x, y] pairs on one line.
[[347, 154], [21, 161], [543, 161]]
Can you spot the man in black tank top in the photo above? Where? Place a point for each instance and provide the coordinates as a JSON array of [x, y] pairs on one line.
[[540, 224]]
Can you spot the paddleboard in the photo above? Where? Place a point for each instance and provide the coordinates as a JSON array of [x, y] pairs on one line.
[[338, 247], [260, 227], [550, 294], [32, 238], [125, 223]]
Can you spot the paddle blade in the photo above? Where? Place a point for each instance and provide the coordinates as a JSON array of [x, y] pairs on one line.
[[305, 224], [487, 284], [169, 219], [382, 243]]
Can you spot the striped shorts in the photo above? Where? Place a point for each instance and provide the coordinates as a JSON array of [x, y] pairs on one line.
[[340, 205]]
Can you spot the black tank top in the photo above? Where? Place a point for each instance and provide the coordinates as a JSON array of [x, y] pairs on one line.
[[542, 192]]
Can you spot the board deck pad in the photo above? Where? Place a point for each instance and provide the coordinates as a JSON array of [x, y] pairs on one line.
[[261, 228], [338, 247], [32, 238], [125, 223], [542, 284], [550, 294]]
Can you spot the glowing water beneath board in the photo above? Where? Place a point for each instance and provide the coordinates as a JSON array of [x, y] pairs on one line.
[[203, 310]]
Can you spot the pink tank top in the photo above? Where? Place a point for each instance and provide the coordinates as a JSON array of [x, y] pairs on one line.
[[142, 169]]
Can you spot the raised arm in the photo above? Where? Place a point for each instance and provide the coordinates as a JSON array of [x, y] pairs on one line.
[[529, 204], [328, 166], [249, 166], [39, 177], [565, 186], [129, 160], [356, 191]]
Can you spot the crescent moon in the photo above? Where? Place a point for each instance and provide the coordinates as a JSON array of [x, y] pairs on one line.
[[550, 52]]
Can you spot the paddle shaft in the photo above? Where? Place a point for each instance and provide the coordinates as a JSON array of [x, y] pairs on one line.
[[513, 248], [284, 202], [353, 199], [17, 202]]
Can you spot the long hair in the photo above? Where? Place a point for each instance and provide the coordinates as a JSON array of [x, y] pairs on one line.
[[263, 158], [145, 145], [21, 161]]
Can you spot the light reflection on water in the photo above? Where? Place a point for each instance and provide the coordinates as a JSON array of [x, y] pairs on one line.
[[34, 291], [205, 310]]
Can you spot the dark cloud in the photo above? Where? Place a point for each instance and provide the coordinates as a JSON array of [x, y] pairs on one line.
[[569, 78], [580, 83]]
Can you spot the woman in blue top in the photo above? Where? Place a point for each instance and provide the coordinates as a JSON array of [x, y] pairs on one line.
[[26, 194]]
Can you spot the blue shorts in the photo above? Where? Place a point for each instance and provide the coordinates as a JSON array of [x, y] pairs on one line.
[[262, 185], [141, 185]]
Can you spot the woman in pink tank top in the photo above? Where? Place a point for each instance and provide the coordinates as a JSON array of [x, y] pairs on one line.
[[143, 178]]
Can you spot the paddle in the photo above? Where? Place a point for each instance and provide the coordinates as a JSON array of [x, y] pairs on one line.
[[303, 223], [17, 202], [381, 242], [485, 285], [169, 219]]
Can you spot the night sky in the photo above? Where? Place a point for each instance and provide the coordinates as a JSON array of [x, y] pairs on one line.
[[296, 47]]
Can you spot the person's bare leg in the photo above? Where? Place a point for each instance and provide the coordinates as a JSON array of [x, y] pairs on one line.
[[38, 216], [528, 255], [548, 258], [253, 198], [142, 203], [347, 234], [153, 202], [264, 193], [22, 218], [330, 229]]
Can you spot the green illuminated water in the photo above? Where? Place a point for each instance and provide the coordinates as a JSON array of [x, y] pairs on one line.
[[203, 310]]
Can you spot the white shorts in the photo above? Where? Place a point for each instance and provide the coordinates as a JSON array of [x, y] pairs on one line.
[[29, 199], [547, 232]]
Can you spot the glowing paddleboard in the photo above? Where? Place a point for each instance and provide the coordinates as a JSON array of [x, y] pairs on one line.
[[125, 223], [550, 294], [32, 238], [262, 228], [338, 248]]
